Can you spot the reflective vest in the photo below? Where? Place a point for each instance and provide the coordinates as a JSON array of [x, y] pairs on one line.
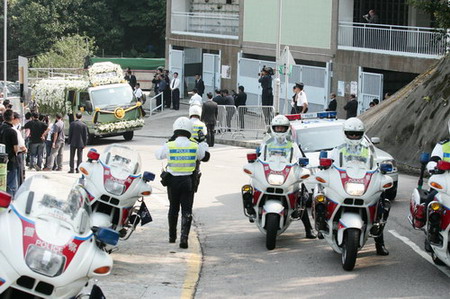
[[271, 147], [195, 129], [446, 151], [182, 159], [363, 153]]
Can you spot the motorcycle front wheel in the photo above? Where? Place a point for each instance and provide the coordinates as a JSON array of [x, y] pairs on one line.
[[350, 248], [272, 225]]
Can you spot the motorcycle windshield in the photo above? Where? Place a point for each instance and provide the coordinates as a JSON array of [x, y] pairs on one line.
[[43, 198], [358, 157], [122, 160], [275, 153]]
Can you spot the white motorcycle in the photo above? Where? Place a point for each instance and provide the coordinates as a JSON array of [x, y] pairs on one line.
[[274, 196], [114, 184], [48, 248], [346, 206], [433, 216]]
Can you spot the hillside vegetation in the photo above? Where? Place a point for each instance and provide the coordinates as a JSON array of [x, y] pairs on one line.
[[415, 118]]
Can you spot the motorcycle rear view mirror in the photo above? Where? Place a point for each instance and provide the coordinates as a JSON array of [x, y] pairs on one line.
[[424, 158], [375, 140], [303, 162], [93, 155], [385, 168], [251, 157], [443, 165], [107, 235], [5, 199], [148, 176]]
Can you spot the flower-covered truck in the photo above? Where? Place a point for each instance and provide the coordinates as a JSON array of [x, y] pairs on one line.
[[104, 98]]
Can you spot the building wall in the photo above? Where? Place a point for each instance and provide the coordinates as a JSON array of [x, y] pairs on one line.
[[260, 22]]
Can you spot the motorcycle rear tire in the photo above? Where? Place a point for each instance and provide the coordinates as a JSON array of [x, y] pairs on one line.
[[350, 248], [436, 260], [272, 225]]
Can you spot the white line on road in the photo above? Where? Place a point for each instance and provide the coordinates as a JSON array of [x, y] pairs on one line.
[[419, 251]]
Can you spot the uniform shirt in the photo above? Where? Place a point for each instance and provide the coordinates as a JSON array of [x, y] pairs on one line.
[[196, 99], [439, 152], [360, 150], [181, 141], [302, 99]]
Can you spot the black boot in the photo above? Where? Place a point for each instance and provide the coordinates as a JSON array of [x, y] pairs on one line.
[[379, 245], [307, 224], [185, 228], [172, 228]]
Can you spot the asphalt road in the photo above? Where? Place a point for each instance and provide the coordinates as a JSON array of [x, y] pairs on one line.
[[236, 262]]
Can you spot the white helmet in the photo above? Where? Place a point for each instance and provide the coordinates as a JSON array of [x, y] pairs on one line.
[[283, 132], [183, 124], [353, 131], [195, 110]]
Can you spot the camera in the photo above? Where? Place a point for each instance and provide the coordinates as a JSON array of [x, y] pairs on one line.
[[268, 69]]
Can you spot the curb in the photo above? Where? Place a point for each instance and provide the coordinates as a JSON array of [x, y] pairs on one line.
[[194, 268], [253, 144]]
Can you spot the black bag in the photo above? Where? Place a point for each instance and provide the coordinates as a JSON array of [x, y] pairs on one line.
[[166, 177]]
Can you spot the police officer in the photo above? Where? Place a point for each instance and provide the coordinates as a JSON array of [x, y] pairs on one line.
[[440, 152], [197, 125], [355, 148], [280, 141], [181, 154]]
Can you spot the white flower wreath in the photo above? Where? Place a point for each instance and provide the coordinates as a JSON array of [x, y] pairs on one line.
[[101, 73], [119, 126]]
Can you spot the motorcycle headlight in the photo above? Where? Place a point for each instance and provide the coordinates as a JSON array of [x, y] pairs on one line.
[[114, 187], [44, 261], [392, 162], [275, 179], [355, 189]]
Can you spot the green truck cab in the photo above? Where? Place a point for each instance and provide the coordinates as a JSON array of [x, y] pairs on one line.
[[106, 101]]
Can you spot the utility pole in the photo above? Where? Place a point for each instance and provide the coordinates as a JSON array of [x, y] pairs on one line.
[[276, 101], [5, 31]]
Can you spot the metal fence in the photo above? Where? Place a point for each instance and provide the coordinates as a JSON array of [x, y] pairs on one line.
[[403, 40], [151, 104], [245, 121]]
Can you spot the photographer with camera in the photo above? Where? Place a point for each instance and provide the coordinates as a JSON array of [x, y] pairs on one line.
[[371, 17], [267, 96]]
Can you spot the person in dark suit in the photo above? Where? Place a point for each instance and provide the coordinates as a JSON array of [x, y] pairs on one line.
[[209, 117], [219, 99], [199, 85], [78, 136], [351, 107], [332, 106], [240, 100], [131, 78]]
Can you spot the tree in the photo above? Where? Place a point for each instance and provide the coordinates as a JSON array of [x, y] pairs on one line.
[[439, 10], [68, 52]]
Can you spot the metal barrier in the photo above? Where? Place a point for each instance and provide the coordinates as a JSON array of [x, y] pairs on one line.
[[151, 106], [245, 121]]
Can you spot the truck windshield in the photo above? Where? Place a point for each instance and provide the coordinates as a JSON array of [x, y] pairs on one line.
[[114, 95]]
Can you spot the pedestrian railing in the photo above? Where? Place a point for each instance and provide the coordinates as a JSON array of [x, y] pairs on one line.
[[390, 39], [151, 105], [244, 121]]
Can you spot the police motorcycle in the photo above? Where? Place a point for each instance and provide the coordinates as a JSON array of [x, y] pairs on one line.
[[114, 184], [48, 247], [432, 213], [275, 195], [347, 207]]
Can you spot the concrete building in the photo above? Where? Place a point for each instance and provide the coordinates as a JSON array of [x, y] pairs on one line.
[[334, 47]]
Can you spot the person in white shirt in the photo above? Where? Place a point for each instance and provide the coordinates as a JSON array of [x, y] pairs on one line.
[[196, 99], [138, 92], [175, 91], [302, 101]]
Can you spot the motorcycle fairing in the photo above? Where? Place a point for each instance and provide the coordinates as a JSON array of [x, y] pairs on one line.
[[267, 171], [345, 178], [30, 237]]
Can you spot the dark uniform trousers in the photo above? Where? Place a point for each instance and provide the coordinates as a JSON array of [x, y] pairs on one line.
[[180, 193]]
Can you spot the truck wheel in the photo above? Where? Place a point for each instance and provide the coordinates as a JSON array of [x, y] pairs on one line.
[[272, 225], [128, 135], [350, 248]]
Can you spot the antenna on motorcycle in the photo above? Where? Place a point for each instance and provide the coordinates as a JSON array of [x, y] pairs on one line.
[[93, 155], [424, 159]]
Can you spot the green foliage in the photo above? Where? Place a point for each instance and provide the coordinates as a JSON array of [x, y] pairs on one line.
[[438, 9], [68, 52]]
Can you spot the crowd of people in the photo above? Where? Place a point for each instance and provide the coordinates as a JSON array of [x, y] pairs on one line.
[[37, 142]]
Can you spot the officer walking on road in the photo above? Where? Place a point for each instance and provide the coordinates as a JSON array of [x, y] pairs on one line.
[[182, 155]]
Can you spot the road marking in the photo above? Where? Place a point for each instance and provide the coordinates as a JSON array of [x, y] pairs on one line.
[[420, 252], [194, 266]]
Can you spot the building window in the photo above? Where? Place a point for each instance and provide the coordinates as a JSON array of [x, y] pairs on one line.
[[390, 12]]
